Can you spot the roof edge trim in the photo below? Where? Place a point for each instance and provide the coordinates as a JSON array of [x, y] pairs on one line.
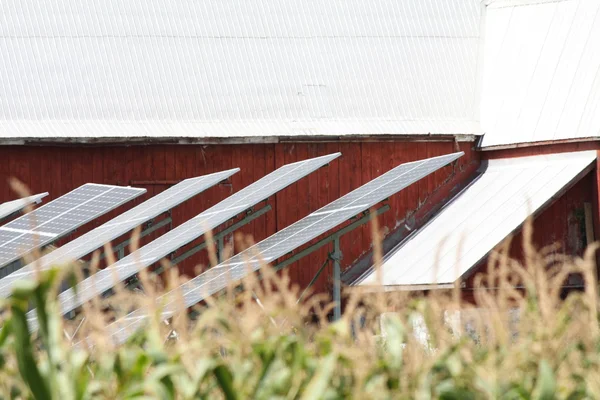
[[94, 141], [539, 143]]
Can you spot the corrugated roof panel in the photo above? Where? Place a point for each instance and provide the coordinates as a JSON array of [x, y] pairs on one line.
[[591, 115], [239, 18], [580, 93], [234, 61], [479, 218], [541, 72], [549, 55], [520, 75], [567, 70]]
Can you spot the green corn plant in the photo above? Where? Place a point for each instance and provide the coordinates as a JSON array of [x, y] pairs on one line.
[[236, 349]]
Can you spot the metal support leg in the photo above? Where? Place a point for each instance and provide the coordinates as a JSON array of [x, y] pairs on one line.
[[313, 280], [336, 256], [220, 248], [366, 218], [337, 279]]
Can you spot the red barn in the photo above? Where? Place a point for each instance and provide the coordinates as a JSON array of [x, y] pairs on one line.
[[147, 94], [540, 113]]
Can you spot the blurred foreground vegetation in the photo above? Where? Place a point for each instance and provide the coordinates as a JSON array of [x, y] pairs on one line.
[[521, 341]]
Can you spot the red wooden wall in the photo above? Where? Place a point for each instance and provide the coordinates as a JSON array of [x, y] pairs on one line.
[[60, 169]]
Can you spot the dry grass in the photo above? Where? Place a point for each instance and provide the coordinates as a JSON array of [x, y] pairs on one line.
[[520, 340]]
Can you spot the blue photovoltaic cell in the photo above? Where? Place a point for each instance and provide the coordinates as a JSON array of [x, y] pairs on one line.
[[9, 208], [189, 231], [286, 240], [116, 227], [59, 217]]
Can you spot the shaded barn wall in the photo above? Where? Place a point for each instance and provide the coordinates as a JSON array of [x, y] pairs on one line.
[[563, 223], [58, 170]]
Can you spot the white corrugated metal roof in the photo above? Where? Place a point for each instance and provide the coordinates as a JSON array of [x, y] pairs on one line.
[[216, 67], [479, 218], [541, 71]]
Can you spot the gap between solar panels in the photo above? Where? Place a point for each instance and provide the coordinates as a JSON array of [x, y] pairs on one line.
[[187, 232], [118, 226], [281, 243], [12, 208], [50, 222]]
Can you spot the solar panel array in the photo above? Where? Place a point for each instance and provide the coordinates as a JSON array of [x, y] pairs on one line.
[[116, 227], [288, 239], [59, 217], [189, 231], [11, 207]]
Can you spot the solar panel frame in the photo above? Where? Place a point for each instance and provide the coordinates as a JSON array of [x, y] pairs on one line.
[[11, 207], [57, 218], [273, 247], [123, 223], [189, 231]]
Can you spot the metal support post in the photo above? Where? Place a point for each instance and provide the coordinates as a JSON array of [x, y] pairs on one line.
[[220, 248], [330, 238], [337, 279], [336, 256]]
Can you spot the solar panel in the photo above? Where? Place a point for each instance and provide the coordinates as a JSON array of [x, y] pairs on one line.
[[286, 240], [116, 227], [11, 207], [189, 231], [59, 217]]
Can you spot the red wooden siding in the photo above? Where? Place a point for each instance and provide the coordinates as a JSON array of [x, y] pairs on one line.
[[60, 169]]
